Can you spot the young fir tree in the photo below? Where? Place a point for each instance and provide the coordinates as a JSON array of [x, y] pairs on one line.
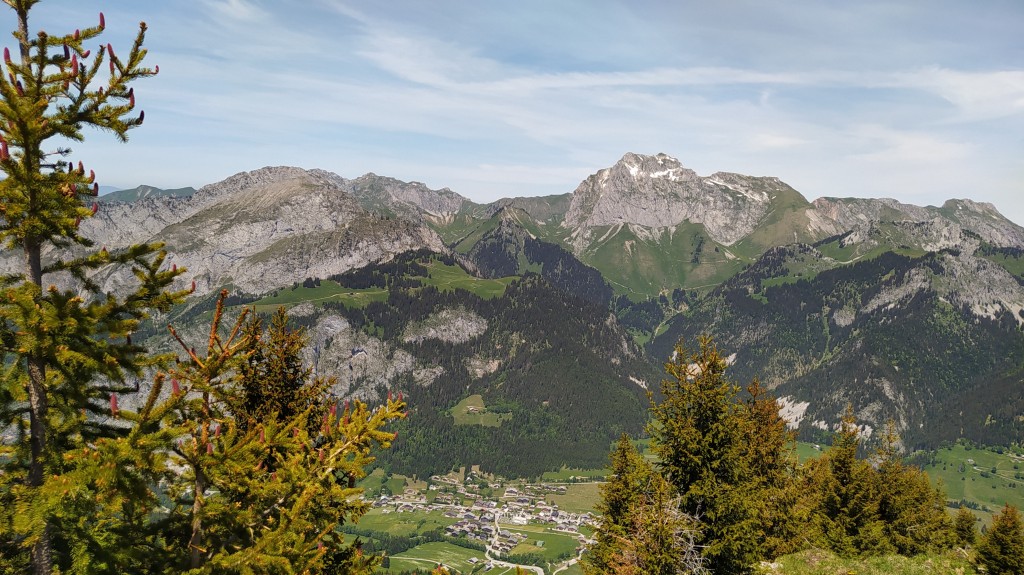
[[965, 527], [265, 496], [642, 529], [845, 497], [65, 342], [1001, 548], [912, 511], [275, 382], [769, 456], [698, 435]]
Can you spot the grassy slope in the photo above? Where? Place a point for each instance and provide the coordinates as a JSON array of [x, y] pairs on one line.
[[817, 562], [443, 277], [463, 415]]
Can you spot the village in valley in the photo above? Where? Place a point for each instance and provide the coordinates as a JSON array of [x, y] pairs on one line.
[[501, 523]]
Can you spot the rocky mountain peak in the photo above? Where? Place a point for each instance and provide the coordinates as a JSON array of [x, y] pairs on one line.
[[394, 195], [659, 192]]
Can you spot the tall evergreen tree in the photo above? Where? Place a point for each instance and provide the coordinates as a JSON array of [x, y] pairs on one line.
[[64, 339], [845, 492], [697, 434], [642, 529], [265, 496], [913, 512], [769, 457], [1001, 548], [275, 382], [964, 524]]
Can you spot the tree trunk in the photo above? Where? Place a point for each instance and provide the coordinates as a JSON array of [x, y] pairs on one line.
[[39, 403]]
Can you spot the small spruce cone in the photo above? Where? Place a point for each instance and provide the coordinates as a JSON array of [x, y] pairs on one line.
[[95, 208], [77, 35], [103, 21], [67, 52], [263, 437], [113, 405], [74, 65], [142, 116], [86, 53], [175, 387], [209, 449], [7, 54], [131, 97]]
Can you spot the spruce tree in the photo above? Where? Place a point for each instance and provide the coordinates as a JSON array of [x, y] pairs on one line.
[[65, 341], [1001, 548], [845, 492], [263, 496], [697, 434], [769, 457], [964, 524], [642, 529], [913, 512]]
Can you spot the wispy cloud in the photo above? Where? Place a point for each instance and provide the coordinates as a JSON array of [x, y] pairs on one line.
[[529, 98]]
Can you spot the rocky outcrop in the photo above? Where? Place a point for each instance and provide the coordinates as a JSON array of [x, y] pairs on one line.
[[261, 230], [658, 192]]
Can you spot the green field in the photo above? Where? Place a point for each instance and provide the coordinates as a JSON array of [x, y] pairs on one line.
[[805, 451], [328, 290], [472, 411], [982, 476], [569, 474], [429, 555], [578, 498], [404, 523], [450, 278], [554, 547]]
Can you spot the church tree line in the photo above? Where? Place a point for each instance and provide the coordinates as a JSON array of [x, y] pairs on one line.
[[727, 492]]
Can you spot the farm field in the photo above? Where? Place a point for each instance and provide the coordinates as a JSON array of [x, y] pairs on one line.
[[983, 477], [429, 555], [472, 411]]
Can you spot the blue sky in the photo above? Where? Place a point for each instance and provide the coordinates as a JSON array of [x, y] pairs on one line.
[[920, 101]]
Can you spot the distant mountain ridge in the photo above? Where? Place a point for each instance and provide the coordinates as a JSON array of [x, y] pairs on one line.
[[828, 301]]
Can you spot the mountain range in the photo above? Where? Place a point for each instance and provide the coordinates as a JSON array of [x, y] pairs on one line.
[[908, 313]]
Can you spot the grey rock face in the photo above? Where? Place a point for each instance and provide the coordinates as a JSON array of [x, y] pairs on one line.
[[658, 192], [261, 230]]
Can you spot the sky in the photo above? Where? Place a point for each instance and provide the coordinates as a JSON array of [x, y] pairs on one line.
[[921, 101]]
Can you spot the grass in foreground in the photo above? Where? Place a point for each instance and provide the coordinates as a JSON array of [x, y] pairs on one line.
[[818, 562]]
